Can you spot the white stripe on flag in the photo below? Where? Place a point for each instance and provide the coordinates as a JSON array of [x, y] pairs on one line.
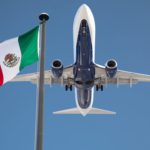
[[10, 68]]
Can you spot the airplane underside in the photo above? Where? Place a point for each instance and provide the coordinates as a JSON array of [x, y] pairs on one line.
[[84, 66], [84, 74]]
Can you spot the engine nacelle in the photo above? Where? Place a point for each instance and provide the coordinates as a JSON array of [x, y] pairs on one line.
[[57, 68], [111, 68]]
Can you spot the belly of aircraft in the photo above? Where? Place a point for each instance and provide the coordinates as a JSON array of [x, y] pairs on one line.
[[84, 97]]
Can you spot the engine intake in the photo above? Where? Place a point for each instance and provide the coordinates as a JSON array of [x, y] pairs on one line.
[[111, 68], [57, 68]]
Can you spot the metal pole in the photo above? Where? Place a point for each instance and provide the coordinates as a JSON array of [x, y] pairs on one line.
[[40, 99]]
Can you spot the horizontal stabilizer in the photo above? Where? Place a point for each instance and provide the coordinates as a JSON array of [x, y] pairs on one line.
[[68, 111], [84, 111], [101, 111]]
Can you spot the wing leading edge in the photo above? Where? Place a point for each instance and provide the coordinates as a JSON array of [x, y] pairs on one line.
[[66, 78], [121, 77]]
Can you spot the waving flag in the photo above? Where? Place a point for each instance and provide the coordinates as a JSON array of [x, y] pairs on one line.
[[17, 53]]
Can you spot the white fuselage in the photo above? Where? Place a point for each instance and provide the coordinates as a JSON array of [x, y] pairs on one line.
[[84, 12]]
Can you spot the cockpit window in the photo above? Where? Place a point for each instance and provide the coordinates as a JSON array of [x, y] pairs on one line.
[[83, 23]]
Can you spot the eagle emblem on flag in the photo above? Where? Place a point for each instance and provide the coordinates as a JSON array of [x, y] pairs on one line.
[[11, 60]]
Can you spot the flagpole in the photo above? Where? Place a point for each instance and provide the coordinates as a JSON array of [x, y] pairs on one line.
[[40, 99]]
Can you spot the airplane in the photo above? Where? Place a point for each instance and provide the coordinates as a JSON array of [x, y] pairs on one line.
[[84, 74]]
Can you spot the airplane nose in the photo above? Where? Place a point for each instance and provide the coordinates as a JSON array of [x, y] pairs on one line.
[[84, 13], [83, 6], [84, 9]]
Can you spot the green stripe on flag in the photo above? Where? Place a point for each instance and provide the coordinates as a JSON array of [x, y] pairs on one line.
[[29, 47]]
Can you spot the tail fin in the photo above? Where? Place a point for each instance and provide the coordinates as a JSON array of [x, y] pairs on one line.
[[85, 111]]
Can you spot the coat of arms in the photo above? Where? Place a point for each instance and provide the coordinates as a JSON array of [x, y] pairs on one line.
[[10, 60]]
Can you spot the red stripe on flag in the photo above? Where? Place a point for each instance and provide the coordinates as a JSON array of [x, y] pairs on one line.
[[1, 76]]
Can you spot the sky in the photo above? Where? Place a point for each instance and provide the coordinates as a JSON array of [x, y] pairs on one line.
[[122, 33]]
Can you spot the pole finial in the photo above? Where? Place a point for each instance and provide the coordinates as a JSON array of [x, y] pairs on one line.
[[43, 16]]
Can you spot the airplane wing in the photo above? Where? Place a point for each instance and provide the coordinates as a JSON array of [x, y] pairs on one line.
[[65, 79], [121, 77]]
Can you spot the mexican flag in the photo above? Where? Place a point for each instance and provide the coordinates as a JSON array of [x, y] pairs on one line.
[[17, 53]]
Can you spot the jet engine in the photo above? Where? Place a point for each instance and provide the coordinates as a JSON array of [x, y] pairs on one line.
[[111, 68], [57, 68]]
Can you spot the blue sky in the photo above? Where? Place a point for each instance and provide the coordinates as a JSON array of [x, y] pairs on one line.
[[122, 33]]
